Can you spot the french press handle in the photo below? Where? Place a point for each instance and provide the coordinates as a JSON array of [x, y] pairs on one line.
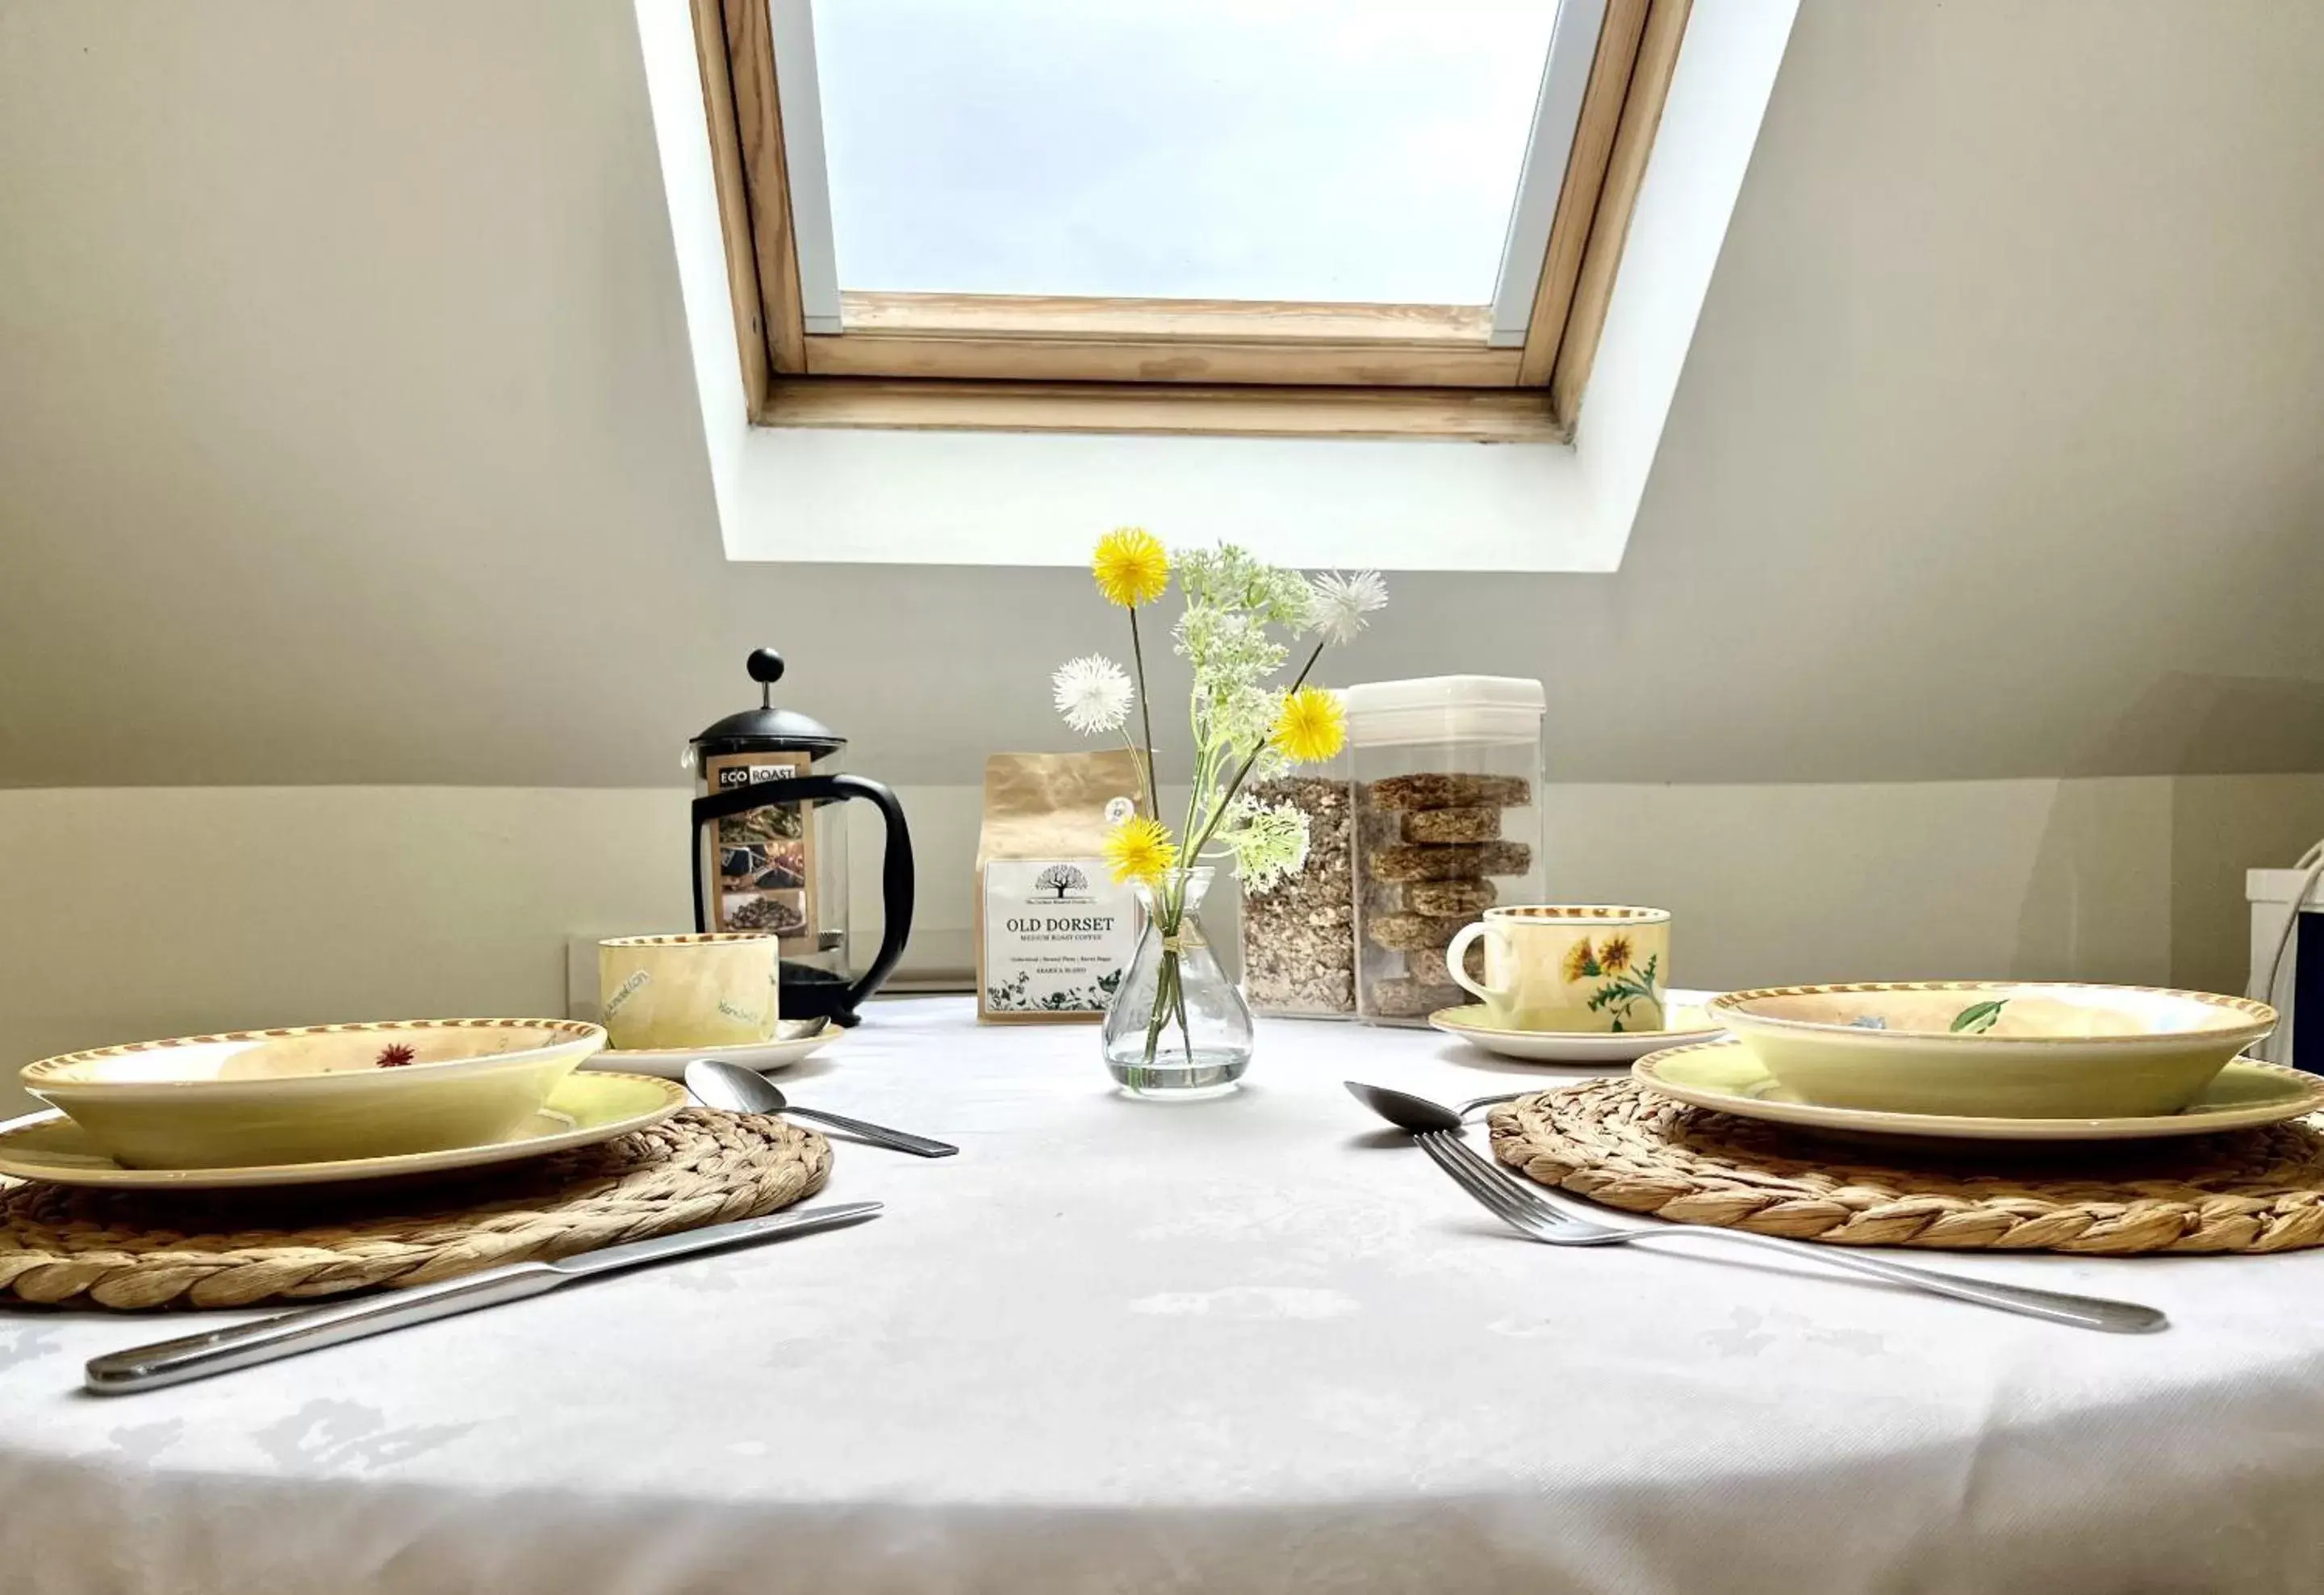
[[896, 882]]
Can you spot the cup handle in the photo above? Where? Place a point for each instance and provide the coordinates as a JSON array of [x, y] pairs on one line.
[[1456, 962]]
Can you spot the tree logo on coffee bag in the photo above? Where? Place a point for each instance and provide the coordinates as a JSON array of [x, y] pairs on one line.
[[1062, 878]]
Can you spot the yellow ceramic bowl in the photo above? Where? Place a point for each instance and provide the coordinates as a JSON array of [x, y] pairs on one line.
[[323, 1091], [1993, 1048]]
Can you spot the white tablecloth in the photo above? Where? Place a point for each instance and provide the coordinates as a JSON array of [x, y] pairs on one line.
[[1245, 1344]]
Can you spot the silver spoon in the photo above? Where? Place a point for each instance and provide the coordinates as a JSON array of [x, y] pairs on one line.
[[1521, 1205], [1463, 1109], [737, 1089]]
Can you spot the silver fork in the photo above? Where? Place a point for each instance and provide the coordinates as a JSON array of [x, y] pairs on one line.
[[1533, 1217]]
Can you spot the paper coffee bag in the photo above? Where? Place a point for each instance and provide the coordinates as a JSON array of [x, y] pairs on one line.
[[1053, 931]]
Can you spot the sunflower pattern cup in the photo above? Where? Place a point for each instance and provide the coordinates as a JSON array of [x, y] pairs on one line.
[[1558, 968]]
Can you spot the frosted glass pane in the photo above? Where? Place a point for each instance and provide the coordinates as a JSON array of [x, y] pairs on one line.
[[1360, 151]]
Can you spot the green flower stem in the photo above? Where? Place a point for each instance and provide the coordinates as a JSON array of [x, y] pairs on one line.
[[1169, 998], [1145, 718], [1169, 914], [1161, 1008], [1179, 1001], [1205, 764]]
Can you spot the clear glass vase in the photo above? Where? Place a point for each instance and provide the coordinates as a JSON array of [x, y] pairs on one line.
[[1178, 1026]]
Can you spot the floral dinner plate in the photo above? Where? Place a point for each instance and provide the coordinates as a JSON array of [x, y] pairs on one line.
[[1685, 1009], [1725, 1077], [583, 1109]]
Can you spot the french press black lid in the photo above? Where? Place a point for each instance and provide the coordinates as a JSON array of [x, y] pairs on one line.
[[766, 729]]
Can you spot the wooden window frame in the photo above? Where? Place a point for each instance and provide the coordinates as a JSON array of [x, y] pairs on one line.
[[1056, 363]]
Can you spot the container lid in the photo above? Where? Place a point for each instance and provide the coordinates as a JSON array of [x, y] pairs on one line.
[[766, 729], [1444, 709]]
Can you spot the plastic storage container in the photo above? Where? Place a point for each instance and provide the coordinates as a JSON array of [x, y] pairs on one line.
[[1445, 776], [1299, 935]]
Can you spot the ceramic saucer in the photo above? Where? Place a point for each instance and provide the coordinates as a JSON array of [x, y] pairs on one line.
[[1725, 1076], [798, 1038], [582, 1110], [1473, 1025]]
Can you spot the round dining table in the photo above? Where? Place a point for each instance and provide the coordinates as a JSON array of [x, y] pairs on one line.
[[1253, 1343]]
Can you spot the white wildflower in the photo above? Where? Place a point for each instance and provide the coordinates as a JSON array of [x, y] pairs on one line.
[[1227, 647], [1339, 603], [1093, 694], [1232, 578], [1268, 843], [1243, 715]]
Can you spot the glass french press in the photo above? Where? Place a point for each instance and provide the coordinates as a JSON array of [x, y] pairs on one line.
[[771, 848]]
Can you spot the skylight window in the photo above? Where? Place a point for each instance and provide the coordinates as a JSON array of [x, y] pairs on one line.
[[1332, 217], [1354, 151]]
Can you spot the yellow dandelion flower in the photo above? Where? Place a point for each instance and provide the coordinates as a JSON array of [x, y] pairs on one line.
[[1139, 849], [1614, 954], [1130, 567], [1313, 726], [1579, 964]]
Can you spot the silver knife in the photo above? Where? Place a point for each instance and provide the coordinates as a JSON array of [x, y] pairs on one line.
[[287, 1334]]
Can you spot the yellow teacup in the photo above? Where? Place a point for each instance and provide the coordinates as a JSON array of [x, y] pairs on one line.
[[1555, 967], [658, 992]]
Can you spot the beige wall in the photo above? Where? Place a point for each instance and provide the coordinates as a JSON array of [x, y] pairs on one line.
[[166, 911], [347, 433]]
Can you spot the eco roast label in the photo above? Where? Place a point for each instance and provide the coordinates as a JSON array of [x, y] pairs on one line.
[[1057, 935]]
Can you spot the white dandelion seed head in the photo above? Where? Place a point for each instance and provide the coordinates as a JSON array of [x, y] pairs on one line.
[[1339, 603], [1093, 694]]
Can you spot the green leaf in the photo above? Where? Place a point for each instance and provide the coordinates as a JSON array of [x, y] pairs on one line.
[[1977, 1017]]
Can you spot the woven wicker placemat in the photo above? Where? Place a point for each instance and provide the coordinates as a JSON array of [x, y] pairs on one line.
[[1614, 1142], [63, 1245]]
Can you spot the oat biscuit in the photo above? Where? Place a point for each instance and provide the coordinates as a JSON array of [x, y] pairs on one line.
[[1454, 896], [1444, 791], [1428, 861], [1453, 825]]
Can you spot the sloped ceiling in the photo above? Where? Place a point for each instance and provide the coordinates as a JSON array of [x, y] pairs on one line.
[[346, 436]]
